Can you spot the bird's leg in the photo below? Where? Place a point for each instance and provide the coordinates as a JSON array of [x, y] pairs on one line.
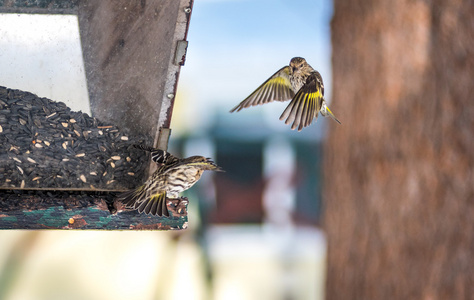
[[175, 202], [177, 206]]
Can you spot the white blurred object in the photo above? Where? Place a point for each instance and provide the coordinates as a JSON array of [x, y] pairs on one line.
[[42, 54], [279, 195], [250, 263], [101, 265]]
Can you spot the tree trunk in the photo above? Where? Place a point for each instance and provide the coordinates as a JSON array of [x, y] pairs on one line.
[[398, 172]]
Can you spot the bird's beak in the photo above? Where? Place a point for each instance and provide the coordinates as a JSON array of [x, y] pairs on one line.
[[332, 115]]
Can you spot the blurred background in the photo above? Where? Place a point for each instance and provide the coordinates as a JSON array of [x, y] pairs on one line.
[[253, 231]]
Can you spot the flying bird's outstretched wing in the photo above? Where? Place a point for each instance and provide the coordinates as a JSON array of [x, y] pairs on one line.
[[276, 88]]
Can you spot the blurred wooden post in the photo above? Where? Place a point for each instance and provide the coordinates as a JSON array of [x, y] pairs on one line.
[[399, 179]]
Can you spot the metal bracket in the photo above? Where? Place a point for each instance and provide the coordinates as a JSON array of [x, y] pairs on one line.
[[163, 138], [180, 53]]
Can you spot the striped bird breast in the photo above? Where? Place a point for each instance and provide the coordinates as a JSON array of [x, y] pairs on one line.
[[297, 82], [181, 179]]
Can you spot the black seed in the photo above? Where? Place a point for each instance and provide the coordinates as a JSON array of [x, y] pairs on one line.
[[31, 129]]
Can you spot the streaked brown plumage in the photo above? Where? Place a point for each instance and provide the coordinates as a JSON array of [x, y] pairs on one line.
[[173, 176], [297, 82]]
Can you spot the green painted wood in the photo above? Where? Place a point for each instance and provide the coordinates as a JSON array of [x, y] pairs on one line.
[[79, 210]]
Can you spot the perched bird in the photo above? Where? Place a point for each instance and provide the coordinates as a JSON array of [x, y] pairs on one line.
[[301, 84], [173, 176]]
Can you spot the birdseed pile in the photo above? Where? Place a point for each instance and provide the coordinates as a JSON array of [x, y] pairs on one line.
[[44, 144]]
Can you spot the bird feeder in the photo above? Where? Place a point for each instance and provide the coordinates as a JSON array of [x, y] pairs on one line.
[[62, 168]]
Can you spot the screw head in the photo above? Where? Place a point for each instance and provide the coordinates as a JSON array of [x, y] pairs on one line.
[[170, 96], [187, 10]]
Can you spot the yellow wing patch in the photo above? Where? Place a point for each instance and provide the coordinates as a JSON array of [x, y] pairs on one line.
[[276, 88], [302, 109], [155, 205]]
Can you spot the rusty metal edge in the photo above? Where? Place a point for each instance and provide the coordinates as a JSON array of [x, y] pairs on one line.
[[171, 85]]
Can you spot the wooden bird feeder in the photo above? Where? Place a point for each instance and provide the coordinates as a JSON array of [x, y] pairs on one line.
[[62, 169]]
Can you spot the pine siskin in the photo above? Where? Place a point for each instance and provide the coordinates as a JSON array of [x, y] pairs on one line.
[[298, 82], [173, 176]]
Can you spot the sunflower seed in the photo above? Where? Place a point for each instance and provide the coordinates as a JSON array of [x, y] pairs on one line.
[[83, 178]]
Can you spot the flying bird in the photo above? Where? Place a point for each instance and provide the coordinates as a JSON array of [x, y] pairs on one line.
[[297, 82], [173, 176]]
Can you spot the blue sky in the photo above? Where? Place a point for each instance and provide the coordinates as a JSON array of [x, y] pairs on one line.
[[235, 45]]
